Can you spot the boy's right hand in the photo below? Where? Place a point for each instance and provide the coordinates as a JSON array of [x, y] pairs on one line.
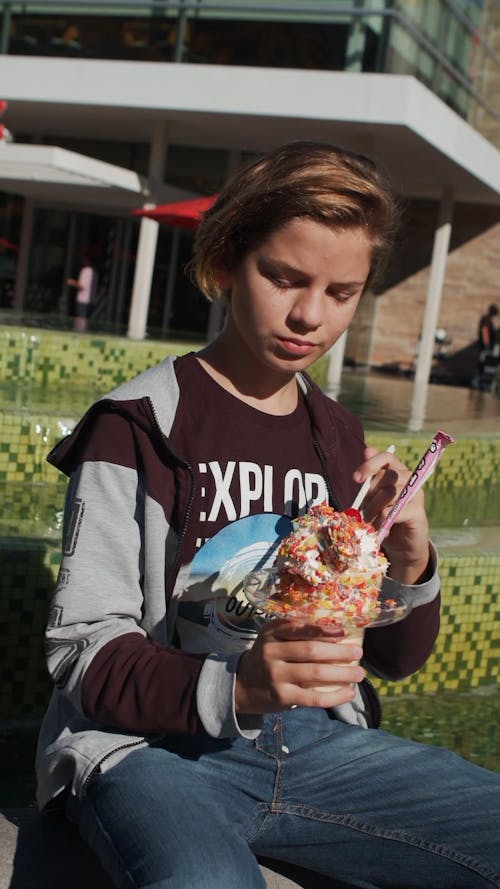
[[288, 664]]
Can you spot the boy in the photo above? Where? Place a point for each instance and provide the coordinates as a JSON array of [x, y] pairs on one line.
[[185, 737]]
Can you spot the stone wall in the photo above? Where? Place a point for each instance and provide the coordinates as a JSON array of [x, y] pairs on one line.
[[472, 282]]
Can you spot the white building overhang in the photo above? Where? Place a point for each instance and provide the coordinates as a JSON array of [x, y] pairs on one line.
[[49, 174], [423, 143], [429, 150]]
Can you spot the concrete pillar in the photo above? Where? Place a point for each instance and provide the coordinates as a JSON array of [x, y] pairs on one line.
[[171, 279], [217, 313], [120, 296], [335, 365], [356, 40], [64, 299], [442, 236], [148, 237], [5, 26], [23, 255]]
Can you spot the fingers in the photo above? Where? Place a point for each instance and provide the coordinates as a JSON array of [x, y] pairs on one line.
[[315, 652], [315, 664], [289, 630], [317, 688], [388, 478], [327, 698], [316, 675], [375, 462], [407, 545], [309, 672]]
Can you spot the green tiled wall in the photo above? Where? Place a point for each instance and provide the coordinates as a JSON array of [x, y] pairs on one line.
[[26, 583], [42, 372], [466, 654], [467, 462], [27, 434], [52, 358], [26, 437]]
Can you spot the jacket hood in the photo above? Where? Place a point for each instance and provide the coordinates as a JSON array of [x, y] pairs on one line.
[[148, 400]]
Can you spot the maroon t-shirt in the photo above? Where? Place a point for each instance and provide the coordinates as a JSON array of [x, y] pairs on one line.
[[142, 686], [252, 471], [245, 461]]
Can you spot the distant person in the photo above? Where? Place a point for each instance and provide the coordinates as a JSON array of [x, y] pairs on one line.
[[486, 342], [486, 329], [69, 41], [86, 285]]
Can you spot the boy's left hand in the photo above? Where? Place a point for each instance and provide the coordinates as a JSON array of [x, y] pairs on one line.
[[407, 544]]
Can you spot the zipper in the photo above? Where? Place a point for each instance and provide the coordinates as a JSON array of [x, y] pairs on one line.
[[131, 744], [187, 514], [331, 493], [97, 768]]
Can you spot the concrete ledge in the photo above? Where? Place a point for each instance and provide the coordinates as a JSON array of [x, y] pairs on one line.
[[44, 851]]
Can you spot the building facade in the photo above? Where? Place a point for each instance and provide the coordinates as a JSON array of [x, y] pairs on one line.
[[114, 106]]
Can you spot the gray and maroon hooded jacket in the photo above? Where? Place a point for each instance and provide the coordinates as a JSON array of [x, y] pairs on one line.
[[120, 681]]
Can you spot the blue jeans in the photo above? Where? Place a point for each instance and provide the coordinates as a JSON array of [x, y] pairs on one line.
[[361, 806]]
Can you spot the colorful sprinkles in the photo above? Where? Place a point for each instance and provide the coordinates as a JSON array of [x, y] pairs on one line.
[[329, 569]]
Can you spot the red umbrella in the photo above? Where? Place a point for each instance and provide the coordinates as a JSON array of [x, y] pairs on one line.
[[184, 214], [7, 245]]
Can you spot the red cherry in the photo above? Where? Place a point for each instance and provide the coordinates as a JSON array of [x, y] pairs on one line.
[[354, 512]]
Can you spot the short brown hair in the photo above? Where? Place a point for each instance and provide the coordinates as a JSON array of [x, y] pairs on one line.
[[301, 179]]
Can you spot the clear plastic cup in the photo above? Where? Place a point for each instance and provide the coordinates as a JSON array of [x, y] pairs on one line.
[[261, 589]]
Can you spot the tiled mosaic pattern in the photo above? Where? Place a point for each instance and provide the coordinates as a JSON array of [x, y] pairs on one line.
[[469, 460], [466, 654], [32, 511], [27, 434], [465, 486], [54, 361], [31, 491], [26, 583], [52, 358], [25, 439]]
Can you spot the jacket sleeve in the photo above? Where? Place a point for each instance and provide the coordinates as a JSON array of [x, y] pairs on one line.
[[400, 649], [99, 654]]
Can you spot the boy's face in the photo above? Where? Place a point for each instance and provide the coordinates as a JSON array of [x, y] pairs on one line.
[[294, 295]]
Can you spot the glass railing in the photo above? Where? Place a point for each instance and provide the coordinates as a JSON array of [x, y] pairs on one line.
[[442, 43]]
